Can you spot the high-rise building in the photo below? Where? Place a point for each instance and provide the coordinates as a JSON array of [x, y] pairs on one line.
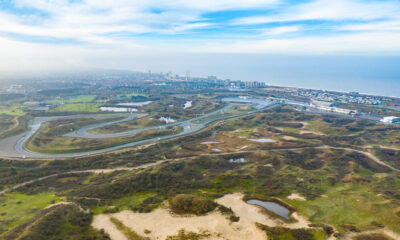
[[187, 75]]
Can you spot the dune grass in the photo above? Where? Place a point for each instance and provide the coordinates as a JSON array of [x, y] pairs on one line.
[[16, 208], [123, 126], [129, 233], [78, 107], [350, 204], [74, 99], [127, 202], [59, 144], [130, 95], [13, 110]]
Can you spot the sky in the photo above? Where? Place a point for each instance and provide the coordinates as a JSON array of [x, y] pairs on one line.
[[285, 42]]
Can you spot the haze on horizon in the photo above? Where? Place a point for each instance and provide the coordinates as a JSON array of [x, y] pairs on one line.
[[337, 45]]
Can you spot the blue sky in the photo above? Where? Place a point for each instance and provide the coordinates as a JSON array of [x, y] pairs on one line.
[[50, 34], [268, 26]]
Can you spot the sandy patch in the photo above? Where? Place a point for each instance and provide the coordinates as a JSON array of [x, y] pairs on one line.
[[312, 132], [380, 175], [390, 148], [254, 213], [162, 223], [103, 222], [57, 204], [238, 130], [296, 196], [290, 138], [390, 233]]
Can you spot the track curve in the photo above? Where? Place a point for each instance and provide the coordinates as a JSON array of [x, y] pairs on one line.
[[189, 127]]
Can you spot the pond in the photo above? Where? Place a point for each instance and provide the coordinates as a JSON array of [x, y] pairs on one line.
[[263, 140], [237, 160], [134, 104], [209, 142], [272, 206], [117, 109], [216, 150]]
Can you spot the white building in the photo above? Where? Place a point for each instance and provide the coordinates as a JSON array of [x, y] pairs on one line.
[[390, 119]]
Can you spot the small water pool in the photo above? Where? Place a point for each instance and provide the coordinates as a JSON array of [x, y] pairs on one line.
[[216, 150], [272, 206], [263, 140], [209, 142], [237, 160], [134, 104], [117, 109]]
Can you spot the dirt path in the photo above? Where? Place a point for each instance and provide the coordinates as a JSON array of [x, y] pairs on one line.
[[390, 148], [368, 154], [50, 208], [312, 132], [148, 165]]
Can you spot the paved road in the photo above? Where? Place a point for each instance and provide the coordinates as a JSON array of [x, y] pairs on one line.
[[189, 127], [83, 132]]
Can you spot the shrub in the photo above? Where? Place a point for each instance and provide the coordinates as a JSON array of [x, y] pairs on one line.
[[372, 236], [189, 204]]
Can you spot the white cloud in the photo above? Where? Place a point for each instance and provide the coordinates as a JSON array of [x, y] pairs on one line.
[[357, 43], [110, 30], [282, 30], [92, 20], [329, 10], [393, 25], [201, 5]]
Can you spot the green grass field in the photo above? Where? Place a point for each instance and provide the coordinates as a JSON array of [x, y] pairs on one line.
[[325, 128], [132, 124], [7, 123], [291, 130], [130, 95], [78, 107], [126, 203], [14, 110], [74, 99], [226, 113], [43, 143], [16, 208]]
